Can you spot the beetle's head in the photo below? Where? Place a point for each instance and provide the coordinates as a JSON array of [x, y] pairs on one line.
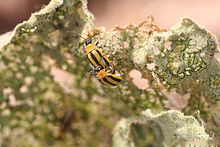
[[88, 41]]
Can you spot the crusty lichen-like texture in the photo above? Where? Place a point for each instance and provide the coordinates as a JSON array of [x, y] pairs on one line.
[[42, 68], [173, 129], [176, 59]]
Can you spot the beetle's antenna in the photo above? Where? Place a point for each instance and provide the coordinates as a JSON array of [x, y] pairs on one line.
[[77, 35], [92, 71]]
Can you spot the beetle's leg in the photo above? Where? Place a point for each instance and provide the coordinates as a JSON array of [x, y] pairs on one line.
[[96, 44], [122, 71]]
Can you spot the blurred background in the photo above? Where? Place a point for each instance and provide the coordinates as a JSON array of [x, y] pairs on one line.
[[109, 13]]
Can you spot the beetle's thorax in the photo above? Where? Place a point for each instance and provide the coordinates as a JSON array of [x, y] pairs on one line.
[[89, 48], [101, 74]]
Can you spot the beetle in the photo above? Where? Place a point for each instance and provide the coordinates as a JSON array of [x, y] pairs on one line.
[[106, 77], [95, 55], [97, 58]]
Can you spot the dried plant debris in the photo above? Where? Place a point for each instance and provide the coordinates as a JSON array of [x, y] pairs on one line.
[[171, 128], [42, 66]]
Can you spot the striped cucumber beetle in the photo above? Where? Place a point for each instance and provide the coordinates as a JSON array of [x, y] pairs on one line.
[[95, 55], [107, 78]]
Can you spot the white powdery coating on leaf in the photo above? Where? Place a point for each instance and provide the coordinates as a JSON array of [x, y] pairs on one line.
[[4, 39], [174, 125], [177, 126]]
